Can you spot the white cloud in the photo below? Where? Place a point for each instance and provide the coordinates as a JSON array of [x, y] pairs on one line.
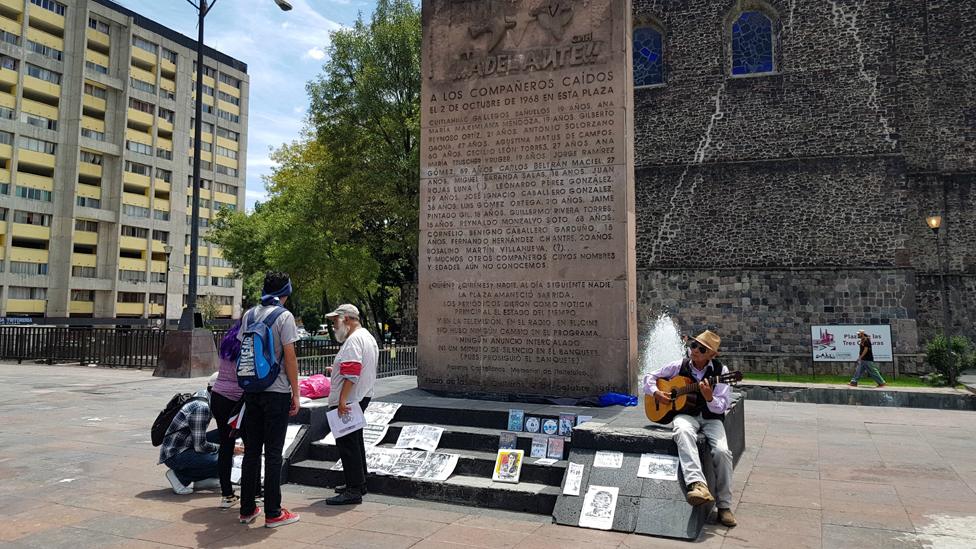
[[317, 54]]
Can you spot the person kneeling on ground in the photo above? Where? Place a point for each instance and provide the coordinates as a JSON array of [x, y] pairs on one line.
[[188, 450], [707, 416]]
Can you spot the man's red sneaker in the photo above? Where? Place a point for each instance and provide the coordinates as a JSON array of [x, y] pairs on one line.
[[286, 517], [248, 519]]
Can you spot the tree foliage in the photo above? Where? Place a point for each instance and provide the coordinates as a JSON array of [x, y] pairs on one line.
[[342, 210]]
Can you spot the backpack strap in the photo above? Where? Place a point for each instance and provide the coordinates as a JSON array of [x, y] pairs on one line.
[[273, 316]]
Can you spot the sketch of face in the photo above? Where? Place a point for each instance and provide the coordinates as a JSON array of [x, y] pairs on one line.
[[602, 500]]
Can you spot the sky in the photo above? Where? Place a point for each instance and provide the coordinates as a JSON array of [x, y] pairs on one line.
[[283, 51]]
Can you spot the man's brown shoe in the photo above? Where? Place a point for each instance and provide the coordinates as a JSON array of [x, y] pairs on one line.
[[726, 517], [699, 494]]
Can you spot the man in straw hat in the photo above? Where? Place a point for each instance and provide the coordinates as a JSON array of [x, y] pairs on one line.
[[707, 416]]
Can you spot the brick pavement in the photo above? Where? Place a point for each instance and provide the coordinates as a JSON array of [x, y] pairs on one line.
[[77, 470]]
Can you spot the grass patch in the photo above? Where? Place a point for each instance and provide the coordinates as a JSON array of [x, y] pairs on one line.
[[902, 381]]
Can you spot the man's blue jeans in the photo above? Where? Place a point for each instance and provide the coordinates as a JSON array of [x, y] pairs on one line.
[[869, 367], [191, 466]]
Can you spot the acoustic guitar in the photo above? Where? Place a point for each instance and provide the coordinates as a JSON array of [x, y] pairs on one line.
[[684, 393]]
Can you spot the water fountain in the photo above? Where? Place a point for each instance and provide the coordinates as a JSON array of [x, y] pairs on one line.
[[662, 346]]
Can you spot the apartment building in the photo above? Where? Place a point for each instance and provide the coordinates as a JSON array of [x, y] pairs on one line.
[[96, 130]]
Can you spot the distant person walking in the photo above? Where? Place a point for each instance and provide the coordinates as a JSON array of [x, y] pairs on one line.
[[266, 412], [865, 362], [353, 376]]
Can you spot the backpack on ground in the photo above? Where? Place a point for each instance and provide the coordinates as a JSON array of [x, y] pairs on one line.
[[257, 365], [160, 427]]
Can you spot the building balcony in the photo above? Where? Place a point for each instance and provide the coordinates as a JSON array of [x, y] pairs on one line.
[[133, 199], [130, 264], [8, 100], [7, 152], [47, 17], [94, 103], [12, 6], [136, 179], [164, 125], [228, 107], [42, 87], [224, 161], [157, 266], [134, 243], [37, 159], [83, 260], [26, 306], [8, 23], [28, 255], [90, 170], [37, 35], [226, 311], [155, 310], [88, 191], [142, 118], [40, 109], [129, 309], [85, 237], [163, 185], [228, 89], [141, 74], [161, 204], [167, 67], [3, 230], [35, 232], [158, 248], [224, 272], [5, 176], [144, 57], [81, 308], [100, 39], [97, 57], [33, 180], [8, 77], [227, 143], [225, 198]]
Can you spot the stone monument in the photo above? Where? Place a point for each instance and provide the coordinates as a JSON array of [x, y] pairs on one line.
[[527, 231]]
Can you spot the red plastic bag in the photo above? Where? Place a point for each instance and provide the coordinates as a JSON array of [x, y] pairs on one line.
[[316, 386]]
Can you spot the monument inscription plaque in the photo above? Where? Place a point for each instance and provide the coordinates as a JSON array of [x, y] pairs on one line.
[[527, 269]]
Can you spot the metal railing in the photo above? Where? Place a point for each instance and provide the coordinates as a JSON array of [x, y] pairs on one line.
[[123, 347], [393, 361]]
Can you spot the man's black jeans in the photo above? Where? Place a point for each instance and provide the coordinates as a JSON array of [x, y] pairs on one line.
[[265, 426], [352, 451]]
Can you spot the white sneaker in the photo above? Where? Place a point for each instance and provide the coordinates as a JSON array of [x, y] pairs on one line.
[[178, 487], [207, 484], [227, 502]]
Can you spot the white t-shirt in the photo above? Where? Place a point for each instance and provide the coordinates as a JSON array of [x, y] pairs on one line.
[[359, 347]]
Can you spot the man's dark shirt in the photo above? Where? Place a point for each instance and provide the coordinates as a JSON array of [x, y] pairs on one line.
[[866, 343]]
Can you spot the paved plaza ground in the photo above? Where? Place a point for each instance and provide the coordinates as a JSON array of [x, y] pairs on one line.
[[77, 470]]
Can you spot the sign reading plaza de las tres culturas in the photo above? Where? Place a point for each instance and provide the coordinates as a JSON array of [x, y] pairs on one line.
[[527, 267]]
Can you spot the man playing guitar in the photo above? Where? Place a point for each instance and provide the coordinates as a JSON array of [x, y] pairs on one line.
[[706, 415]]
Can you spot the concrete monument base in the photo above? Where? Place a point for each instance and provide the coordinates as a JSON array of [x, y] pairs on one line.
[[187, 353]]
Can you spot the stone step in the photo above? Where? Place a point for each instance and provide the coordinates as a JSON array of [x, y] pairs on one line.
[[470, 463], [464, 437], [474, 491]]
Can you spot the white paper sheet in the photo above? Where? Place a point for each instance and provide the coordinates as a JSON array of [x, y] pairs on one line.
[[574, 479], [437, 467], [658, 466], [599, 506], [343, 425], [608, 460], [381, 412], [421, 437], [380, 460]]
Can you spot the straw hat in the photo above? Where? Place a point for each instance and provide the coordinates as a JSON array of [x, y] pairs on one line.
[[709, 339]]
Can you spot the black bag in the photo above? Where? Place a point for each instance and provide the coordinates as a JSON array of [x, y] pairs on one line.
[[160, 427]]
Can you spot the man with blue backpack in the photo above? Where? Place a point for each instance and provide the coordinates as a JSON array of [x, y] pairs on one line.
[[267, 370]]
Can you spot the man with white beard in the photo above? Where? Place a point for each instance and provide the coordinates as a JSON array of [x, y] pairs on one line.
[[353, 376]]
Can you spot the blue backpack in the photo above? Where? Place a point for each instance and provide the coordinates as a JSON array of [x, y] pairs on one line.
[[257, 365]]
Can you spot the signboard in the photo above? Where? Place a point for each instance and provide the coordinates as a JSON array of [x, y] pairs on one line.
[[841, 344]]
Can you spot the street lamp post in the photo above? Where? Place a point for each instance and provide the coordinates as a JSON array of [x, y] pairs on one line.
[[190, 319], [167, 249], [935, 223]]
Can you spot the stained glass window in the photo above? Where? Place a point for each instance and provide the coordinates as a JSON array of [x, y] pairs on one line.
[[648, 57], [752, 43]]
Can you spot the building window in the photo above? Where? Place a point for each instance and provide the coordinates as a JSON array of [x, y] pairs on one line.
[[169, 55], [6, 113], [43, 74], [160, 215], [32, 218], [86, 225], [95, 91], [132, 276], [136, 232], [9, 37], [50, 5], [83, 272], [137, 147], [227, 153], [226, 171], [144, 44], [228, 134], [207, 90], [167, 115], [37, 145], [230, 80], [21, 292], [752, 44], [100, 26], [87, 296], [93, 134], [648, 57], [157, 299], [142, 106], [46, 51], [8, 62], [95, 67], [167, 94], [224, 96], [88, 202], [225, 188], [3, 214], [164, 154], [25, 268], [207, 71], [31, 193], [129, 297], [135, 211], [38, 121], [164, 175], [6, 138], [136, 168], [4, 188], [206, 128], [141, 85], [161, 236], [90, 157], [229, 116]]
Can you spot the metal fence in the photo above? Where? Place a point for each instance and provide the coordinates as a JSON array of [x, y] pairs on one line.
[[393, 361], [304, 347], [125, 347]]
